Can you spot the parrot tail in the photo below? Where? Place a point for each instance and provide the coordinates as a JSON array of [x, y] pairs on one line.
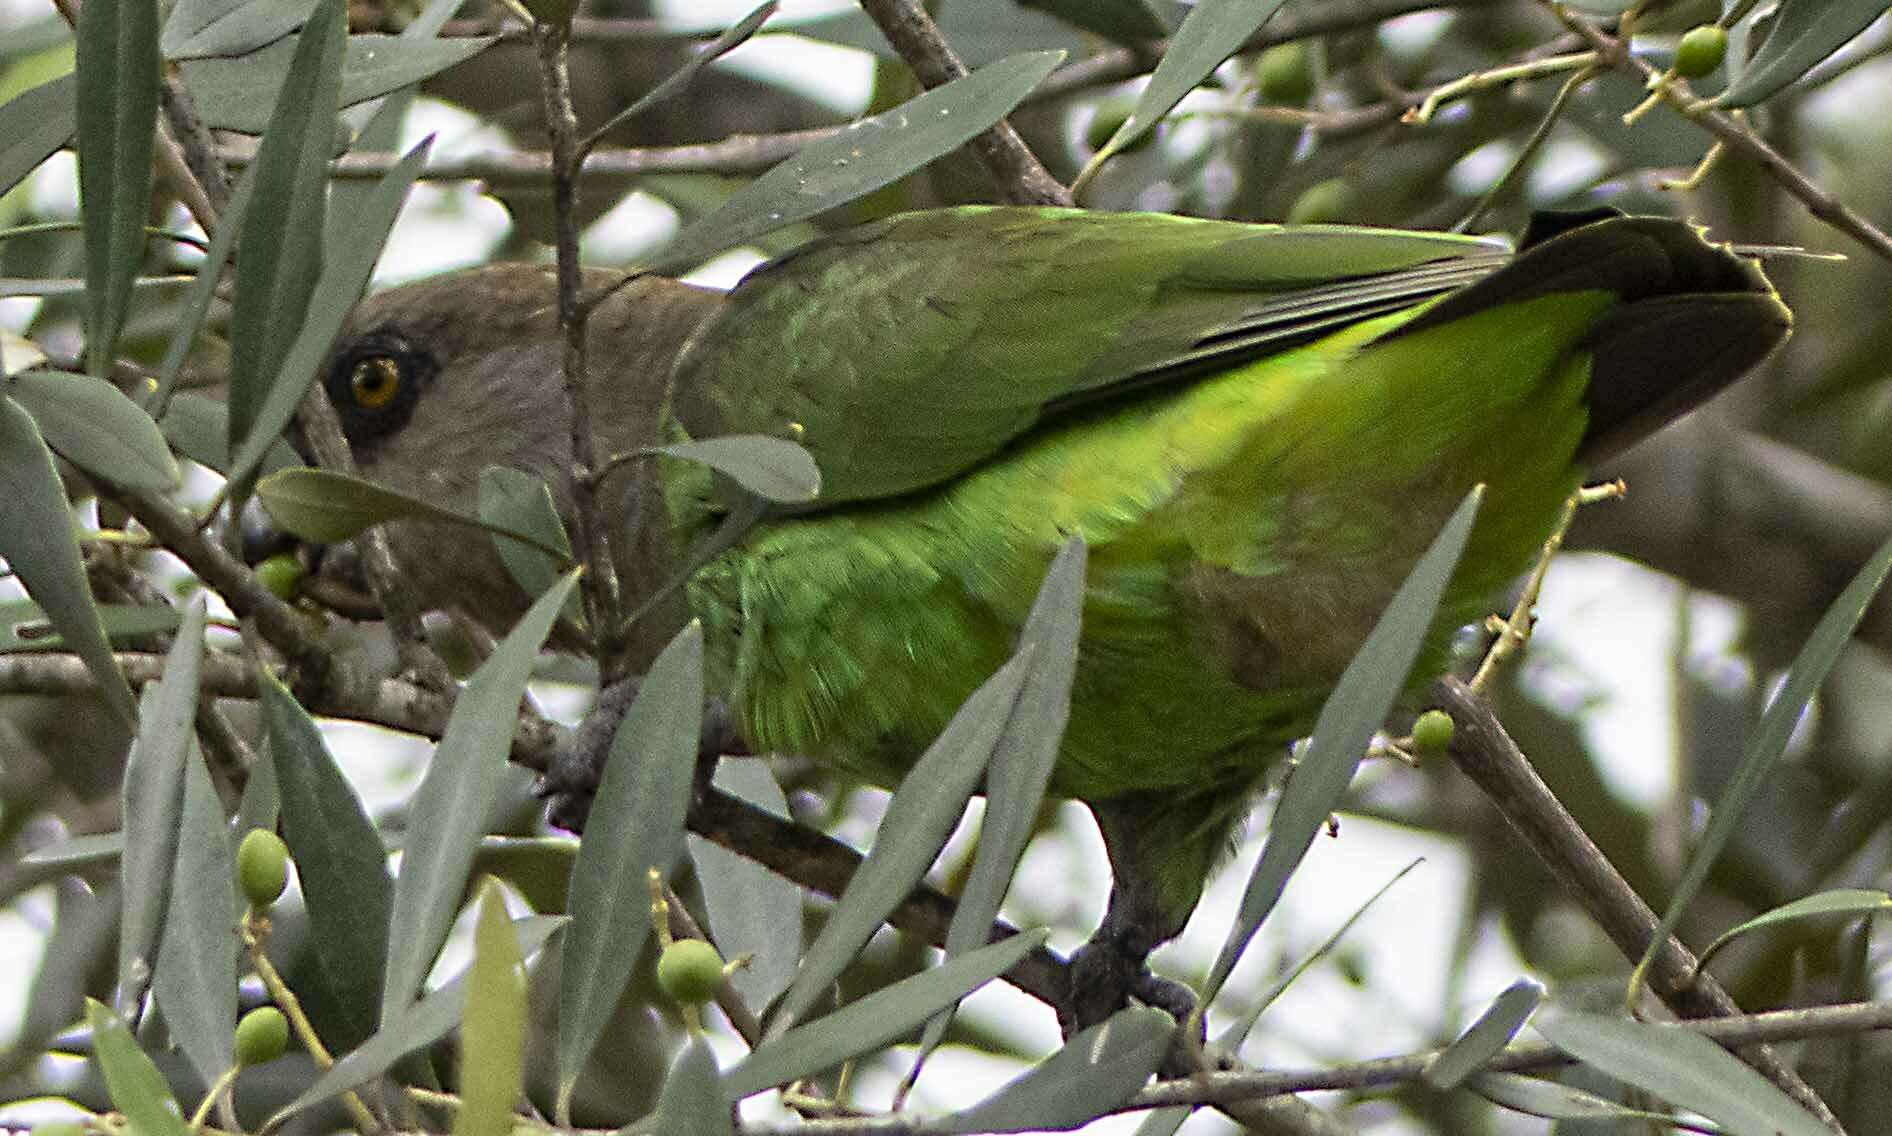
[[1694, 315]]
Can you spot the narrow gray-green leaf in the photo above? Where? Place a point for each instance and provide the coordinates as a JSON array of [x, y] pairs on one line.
[[196, 983], [34, 124], [771, 468], [1357, 707], [24, 627], [195, 308], [382, 134], [1769, 740], [692, 1098], [1683, 1068], [1213, 31], [492, 1024], [260, 806], [875, 1020], [636, 825], [415, 1027], [198, 28], [78, 853], [1096, 1071], [136, 1087], [677, 81], [919, 818], [85, 922], [282, 236], [339, 861], [117, 96], [346, 267], [322, 505], [93, 426], [196, 425], [1826, 907], [871, 153], [751, 910], [1165, 1121], [1128, 22], [1553, 1101], [453, 800], [1022, 761], [154, 802], [512, 500], [241, 93], [1805, 32], [37, 542], [1486, 1037]]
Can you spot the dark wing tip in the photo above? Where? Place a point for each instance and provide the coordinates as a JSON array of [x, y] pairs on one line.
[[1703, 318], [1658, 359], [1693, 316]]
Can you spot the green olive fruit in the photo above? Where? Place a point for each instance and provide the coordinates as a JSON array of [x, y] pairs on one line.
[[690, 971], [262, 1035], [262, 867], [1285, 74], [1322, 203], [1432, 733], [281, 575], [1701, 51], [1105, 123]]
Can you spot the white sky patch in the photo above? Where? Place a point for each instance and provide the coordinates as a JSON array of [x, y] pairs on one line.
[[632, 229], [1609, 627], [1566, 166], [22, 945], [725, 270], [840, 78], [1480, 169], [444, 225]]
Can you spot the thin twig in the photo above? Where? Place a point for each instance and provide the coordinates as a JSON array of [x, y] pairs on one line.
[[1022, 179], [1382, 1073], [1736, 134], [197, 150], [1484, 752], [591, 538]]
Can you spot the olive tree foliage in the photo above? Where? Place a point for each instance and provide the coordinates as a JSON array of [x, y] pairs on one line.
[[237, 177]]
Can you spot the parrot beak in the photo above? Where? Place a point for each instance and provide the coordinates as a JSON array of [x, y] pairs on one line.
[[259, 538], [331, 573]]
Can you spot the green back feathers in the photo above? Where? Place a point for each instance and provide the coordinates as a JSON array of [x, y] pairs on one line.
[[905, 352], [1256, 435]]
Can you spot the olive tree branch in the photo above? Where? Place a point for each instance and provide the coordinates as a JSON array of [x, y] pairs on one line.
[[591, 538], [1021, 178], [1379, 1073], [1485, 753], [1732, 132]]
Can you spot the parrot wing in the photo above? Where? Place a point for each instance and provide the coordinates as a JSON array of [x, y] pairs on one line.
[[905, 352]]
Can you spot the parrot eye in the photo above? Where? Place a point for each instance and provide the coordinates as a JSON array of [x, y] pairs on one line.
[[374, 382]]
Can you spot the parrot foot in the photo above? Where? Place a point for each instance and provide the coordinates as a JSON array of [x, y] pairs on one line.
[[1103, 979], [570, 780], [1105, 975]]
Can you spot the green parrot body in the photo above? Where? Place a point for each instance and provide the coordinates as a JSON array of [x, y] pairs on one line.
[[1245, 533], [1256, 430]]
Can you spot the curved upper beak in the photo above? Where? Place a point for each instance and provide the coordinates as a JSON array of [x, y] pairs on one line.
[[260, 539], [331, 574]]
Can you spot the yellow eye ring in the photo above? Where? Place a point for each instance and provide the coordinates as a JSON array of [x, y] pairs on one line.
[[374, 382]]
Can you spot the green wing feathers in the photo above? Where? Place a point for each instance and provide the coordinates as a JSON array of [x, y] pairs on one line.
[[905, 352], [1256, 437]]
